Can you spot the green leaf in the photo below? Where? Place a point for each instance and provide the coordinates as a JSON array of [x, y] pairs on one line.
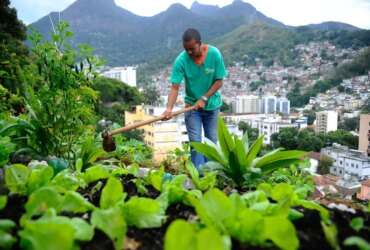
[[43, 199], [282, 232], [112, 223], [51, 234], [208, 151], [358, 242], [209, 238], [39, 177], [6, 225], [144, 213], [66, 180], [83, 230], [3, 201], [247, 227], [75, 203], [112, 193], [224, 138], [282, 191], [278, 155], [180, 235], [331, 234], [6, 240], [245, 142], [214, 208], [95, 173], [254, 150], [357, 224], [16, 177]]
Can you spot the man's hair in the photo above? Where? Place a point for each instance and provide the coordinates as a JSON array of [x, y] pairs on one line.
[[191, 34]]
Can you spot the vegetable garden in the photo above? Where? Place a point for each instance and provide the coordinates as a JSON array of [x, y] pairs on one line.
[[60, 190]]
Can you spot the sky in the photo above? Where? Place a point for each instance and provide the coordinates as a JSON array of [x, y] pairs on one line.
[[290, 12]]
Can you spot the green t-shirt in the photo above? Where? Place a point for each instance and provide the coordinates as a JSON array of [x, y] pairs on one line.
[[199, 78]]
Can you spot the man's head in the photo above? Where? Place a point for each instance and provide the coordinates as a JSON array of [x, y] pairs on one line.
[[192, 42]]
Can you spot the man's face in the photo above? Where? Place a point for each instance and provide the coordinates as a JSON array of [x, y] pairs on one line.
[[193, 48]]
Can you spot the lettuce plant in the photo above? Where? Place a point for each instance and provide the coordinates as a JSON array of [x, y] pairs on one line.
[[238, 160], [231, 216], [182, 235]]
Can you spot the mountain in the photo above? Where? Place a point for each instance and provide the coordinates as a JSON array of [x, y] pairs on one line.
[[332, 26], [125, 38]]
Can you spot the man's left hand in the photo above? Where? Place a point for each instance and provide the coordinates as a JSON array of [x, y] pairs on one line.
[[199, 104]]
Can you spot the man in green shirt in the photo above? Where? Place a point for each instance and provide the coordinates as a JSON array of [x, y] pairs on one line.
[[202, 68]]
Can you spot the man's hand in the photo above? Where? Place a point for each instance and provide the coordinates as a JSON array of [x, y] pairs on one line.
[[167, 114], [199, 104]]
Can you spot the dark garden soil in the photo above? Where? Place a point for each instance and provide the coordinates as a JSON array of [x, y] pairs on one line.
[[309, 230]]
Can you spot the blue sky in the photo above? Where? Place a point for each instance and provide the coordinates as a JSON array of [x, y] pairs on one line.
[[290, 12]]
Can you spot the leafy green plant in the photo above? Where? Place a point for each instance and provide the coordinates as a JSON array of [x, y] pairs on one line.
[[6, 147], [230, 216], [182, 235], [359, 242], [144, 212], [237, 160], [115, 228], [54, 232], [58, 95], [201, 183], [6, 238]]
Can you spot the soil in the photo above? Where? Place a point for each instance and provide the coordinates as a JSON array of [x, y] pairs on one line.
[[309, 230]]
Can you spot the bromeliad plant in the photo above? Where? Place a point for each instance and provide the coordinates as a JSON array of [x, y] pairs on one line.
[[238, 161]]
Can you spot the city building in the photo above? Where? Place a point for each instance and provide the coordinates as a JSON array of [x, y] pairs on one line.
[[326, 121], [267, 125], [364, 136], [283, 106], [269, 104], [163, 136], [123, 74], [348, 162], [246, 104]]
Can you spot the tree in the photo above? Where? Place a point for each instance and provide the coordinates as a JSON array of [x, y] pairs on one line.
[[324, 165], [311, 116], [350, 124], [246, 128], [116, 97], [151, 95], [14, 54], [286, 138], [342, 137]]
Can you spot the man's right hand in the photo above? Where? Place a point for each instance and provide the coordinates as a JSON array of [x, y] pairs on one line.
[[167, 115]]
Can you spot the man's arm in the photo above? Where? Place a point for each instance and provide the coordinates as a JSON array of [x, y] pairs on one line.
[[215, 86], [172, 97]]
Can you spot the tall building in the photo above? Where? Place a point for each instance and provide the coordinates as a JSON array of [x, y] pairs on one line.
[[269, 104], [326, 121], [123, 74], [283, 106], [247, 104], [364, 136]]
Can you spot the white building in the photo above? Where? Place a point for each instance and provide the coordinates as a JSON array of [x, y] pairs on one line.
[[326, 121], [246, 104], [348, 162], [269, 104], [283, 106], [123, 74], [266, 124]]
